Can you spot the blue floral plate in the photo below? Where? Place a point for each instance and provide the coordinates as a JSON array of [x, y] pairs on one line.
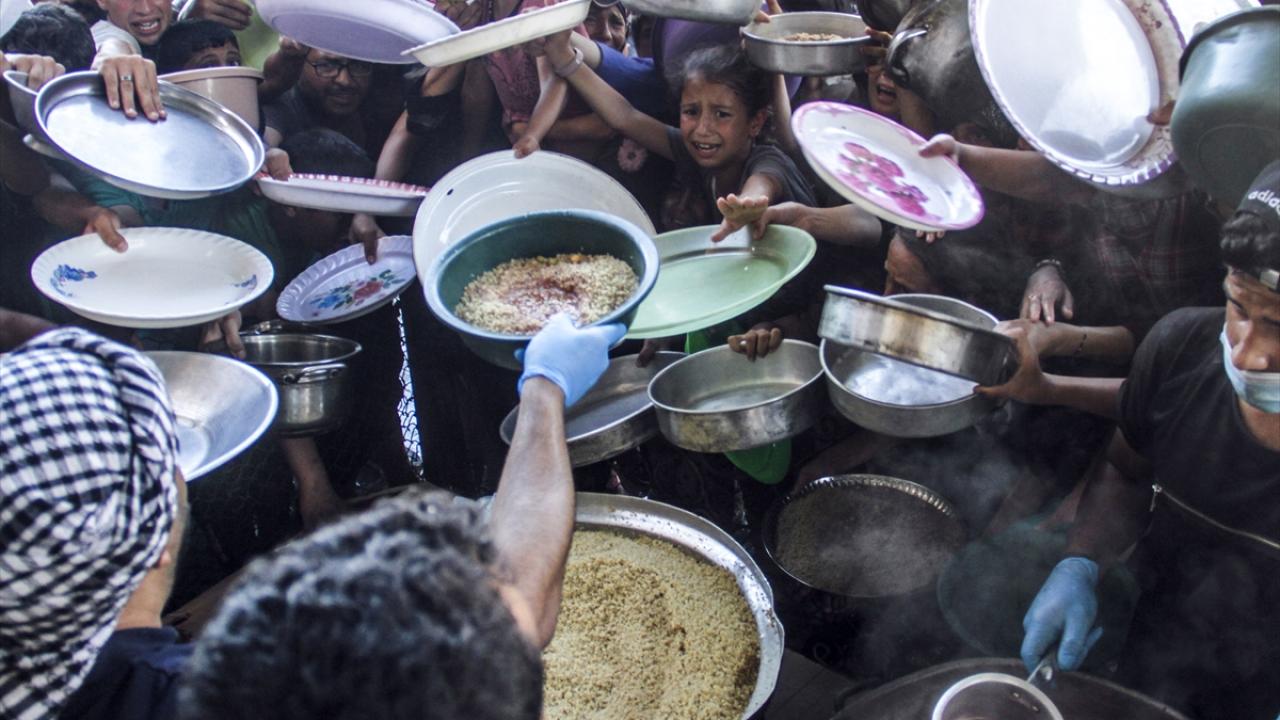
[[344, 286]]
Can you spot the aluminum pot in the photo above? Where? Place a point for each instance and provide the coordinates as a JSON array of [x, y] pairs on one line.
[[235, 88], [719, 401], [844, 366], [917, 335], [311, 374], [767, 48], [994, 695]]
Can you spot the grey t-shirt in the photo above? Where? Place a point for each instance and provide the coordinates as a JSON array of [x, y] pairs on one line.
[[764, 159]]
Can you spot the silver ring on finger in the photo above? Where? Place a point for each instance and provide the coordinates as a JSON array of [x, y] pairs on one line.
[[126, 78], [1033, 298]]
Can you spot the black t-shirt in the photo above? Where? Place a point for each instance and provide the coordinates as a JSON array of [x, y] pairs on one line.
[[764, 159], [135, 677], [1178, 409]]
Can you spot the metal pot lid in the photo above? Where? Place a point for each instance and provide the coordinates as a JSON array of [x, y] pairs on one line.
[[199, 149], [1079, 79]]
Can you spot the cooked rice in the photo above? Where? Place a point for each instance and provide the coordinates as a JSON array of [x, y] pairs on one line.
[[647, 631], [519, 296], [813, 37]]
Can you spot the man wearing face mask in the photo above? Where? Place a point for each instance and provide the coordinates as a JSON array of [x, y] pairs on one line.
[[1190, 482]]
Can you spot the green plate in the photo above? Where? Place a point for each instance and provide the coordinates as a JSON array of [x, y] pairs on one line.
[[701, 284]]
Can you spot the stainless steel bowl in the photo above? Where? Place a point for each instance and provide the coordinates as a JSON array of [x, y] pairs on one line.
[[726, 12], [222, 406], [708, 542], [766, 47], [312, 375], [917, 335], [614, 417], [846, 368], [994, 695], [719, 401]]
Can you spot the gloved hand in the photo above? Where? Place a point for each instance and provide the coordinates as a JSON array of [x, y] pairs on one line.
[[571, 357], [1066, 605]]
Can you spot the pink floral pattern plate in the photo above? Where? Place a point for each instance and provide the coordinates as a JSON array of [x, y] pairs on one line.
[[875, 163], [344, 286]]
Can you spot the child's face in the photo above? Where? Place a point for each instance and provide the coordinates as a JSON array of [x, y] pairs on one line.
[[146, 20], [225, 55], [716, 125], [607, 25]]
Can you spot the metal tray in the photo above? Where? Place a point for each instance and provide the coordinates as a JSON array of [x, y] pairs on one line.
[[502, 34], [703, 539], [921, 337], [200, 149], [614, 417]]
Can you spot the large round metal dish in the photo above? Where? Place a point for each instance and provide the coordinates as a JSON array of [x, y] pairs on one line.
[[704, 283], [378, 31], [199, 149], [724, 12], [534, 235], [502, 34], [222, 407], [719, 401], [614, 416], [871, 389], [312, 375], [170, 277], [497, 186], [917, 335], [703, 539], [767, 47], [863, 536], [1101, 67], [1226, 125], [1078, 696]]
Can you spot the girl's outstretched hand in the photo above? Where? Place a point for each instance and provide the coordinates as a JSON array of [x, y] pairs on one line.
[[739, 212]]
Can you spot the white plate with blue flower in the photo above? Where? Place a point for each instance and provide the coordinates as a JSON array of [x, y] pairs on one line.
[[345, 286], [169, 277]]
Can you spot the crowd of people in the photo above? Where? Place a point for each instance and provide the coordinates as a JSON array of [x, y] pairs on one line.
[[1144, 416]]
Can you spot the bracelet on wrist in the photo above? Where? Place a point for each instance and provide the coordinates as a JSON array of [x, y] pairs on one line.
[[1057, 264], [569, 68]]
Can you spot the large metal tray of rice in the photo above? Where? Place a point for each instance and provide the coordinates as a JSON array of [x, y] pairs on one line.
[[665, 616]]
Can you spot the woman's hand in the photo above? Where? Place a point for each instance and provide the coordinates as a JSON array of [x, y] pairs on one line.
[[759, 341], [739, 212], [1046, 289]]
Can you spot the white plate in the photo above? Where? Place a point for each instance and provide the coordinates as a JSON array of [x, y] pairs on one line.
[[344, 286], [1100, 66], [378, 31], [497, 186], [169, 277], [502, 34], [875, 163], [344, 194]]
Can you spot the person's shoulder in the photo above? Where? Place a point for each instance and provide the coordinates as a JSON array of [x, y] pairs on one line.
[[156, 649], [1190, 326]]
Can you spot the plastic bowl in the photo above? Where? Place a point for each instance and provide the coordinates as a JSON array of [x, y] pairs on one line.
[[235, 88], [537, 234]]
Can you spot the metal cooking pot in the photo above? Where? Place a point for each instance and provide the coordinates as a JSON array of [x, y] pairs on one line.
[[917, 335], [994, 695], [767, 48], [932, 55], [842, 365], [719, 401], [311, 374]]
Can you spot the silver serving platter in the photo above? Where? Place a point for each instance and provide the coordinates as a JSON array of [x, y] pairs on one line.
[[725, 12], [1100, 67], [222, 406], [767, 49], [615, 416], [199, 149], [701, 538]]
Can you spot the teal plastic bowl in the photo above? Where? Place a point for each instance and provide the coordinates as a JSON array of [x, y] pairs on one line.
[[1226, 124], [533, 235]]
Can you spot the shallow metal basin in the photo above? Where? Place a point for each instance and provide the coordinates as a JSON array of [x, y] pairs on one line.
[[766, 47]]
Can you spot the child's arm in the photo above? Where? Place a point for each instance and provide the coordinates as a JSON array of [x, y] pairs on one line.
[[746, 208], [782, 117], [550, 103], [608, 103]]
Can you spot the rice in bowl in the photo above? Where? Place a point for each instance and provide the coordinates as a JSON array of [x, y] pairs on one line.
[[648, 631], [519, 296]]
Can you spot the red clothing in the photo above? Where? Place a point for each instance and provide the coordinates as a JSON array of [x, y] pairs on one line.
[[514, 74]]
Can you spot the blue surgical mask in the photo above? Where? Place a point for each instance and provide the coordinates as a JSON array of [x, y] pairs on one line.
[[1259, 389]]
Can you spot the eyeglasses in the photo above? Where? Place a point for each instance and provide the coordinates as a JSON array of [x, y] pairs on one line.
[[329, 69]]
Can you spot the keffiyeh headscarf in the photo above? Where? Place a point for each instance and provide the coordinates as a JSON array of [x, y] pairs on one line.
[[87, 499]]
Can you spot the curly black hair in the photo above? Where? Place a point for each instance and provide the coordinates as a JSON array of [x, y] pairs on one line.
[[54, 31], [185, 38], [327, 152], [1249, 245], [393, 613]]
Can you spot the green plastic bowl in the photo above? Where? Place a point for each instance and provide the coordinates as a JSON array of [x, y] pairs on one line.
[[533, 235], [1226, 124]]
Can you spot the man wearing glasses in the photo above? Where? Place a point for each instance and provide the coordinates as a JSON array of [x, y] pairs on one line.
[[328, 94]]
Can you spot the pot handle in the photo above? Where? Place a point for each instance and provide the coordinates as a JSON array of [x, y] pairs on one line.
[[315, 373], [893, 56]]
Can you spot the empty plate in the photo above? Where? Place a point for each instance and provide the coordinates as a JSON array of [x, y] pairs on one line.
[[344, 285]]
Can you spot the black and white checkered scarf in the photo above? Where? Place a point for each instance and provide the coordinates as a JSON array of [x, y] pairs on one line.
[[87, 499]]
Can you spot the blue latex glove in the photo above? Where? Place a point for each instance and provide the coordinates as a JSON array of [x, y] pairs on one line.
[[1066, 605], [571, 357]]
